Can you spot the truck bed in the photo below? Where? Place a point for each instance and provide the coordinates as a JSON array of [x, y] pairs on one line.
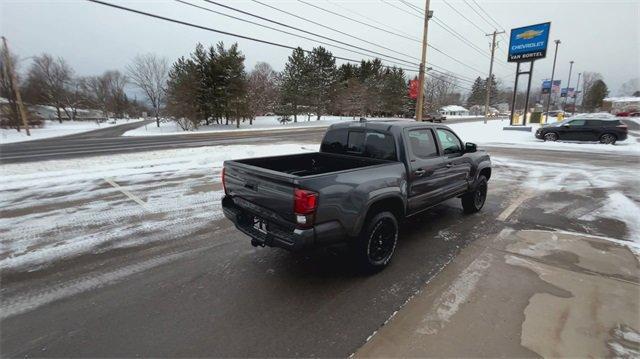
[[309, 164]]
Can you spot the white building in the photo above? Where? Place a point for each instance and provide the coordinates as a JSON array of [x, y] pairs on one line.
[[615, 105], [454, 110]]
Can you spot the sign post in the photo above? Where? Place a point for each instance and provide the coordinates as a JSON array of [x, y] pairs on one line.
[[527, 44]]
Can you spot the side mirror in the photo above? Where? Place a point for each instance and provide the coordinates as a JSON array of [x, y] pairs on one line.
[[566, 125], [470, 147]]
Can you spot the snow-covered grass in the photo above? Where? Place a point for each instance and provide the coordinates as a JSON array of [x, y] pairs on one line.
[[58, 209], [492, 134], [261, 123], [56, 129]]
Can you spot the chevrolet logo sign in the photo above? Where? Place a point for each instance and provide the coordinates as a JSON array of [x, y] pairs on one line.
[[529, 34]]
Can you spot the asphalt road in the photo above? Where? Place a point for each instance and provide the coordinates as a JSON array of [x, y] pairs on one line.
[[211, 294], [110, 140]]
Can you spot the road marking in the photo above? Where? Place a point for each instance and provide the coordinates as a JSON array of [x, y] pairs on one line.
[[514, 205], [128, 194]]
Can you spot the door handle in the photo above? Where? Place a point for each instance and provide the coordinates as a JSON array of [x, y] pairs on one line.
[[419, 172], [449, 165]]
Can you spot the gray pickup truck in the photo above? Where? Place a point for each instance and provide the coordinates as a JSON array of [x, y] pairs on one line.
[[367, 177]]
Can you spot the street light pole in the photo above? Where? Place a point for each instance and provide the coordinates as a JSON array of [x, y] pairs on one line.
[[564, 103], [423, 61], [553, 71], [575, 94]]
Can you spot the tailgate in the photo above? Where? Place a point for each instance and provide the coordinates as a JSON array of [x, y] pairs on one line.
[[267, 189]]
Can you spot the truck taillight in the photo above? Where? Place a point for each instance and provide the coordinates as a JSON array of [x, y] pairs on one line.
[[305, 202], [224, 185]]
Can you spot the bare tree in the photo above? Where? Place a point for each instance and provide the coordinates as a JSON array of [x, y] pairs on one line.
[[9, 115], [630, 87], [118, 102], [150, 73], [96, 91], [438, 90], [48, 80], [262, 90]]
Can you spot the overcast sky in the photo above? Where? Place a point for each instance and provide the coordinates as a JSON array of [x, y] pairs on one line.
[[601, 36]]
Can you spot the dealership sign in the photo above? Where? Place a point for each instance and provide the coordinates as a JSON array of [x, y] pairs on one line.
[[529, 43]]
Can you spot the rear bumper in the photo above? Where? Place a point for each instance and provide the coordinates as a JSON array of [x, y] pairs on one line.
[[281, 235]]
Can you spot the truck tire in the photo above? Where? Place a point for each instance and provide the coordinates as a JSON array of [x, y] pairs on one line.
[[377, 241], [473, 201]]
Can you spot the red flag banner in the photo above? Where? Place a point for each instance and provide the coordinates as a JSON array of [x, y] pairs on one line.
[[413, 89]]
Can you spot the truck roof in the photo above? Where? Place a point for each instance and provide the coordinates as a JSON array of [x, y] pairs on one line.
[[382, 125]]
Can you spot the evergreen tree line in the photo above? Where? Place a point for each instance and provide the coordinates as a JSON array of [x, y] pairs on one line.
[[211, 86]]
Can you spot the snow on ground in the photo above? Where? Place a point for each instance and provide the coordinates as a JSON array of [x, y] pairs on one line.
[[261, 123], [55, 129], [492, 134], [58, 209]]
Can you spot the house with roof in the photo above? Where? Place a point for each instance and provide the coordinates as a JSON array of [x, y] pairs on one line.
[[454, 110]]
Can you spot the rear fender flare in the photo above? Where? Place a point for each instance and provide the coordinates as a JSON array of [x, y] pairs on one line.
[[395, 197]]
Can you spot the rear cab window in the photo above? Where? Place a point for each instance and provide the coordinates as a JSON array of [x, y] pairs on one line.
[[362, 143]]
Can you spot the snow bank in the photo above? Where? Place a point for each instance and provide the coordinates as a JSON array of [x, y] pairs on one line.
[[261, 123], [56, 129]]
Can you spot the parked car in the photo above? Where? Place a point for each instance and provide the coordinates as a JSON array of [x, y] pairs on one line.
[[435, 117], [605, 130], [367, 178]]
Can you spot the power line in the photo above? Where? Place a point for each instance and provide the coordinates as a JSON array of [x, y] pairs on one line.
[[464, 17], [436, 49], [306, 32], [489, 16], [360, 22], [189, 24], [479, 15], [267, 42], [332, 29], [279, 30], [438, 22], [367, 17]]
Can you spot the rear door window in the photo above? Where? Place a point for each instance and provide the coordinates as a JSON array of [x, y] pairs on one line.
[[380, 145], [594, 123], [422, 143]]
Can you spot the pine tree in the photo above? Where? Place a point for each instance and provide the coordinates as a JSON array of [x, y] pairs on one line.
[[477, 92], [322, 78], [594, 96], [295, 92], [394, 92]]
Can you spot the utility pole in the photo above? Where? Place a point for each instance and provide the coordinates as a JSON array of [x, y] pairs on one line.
[[564, 103], [493, 50], [553, 71], [575, 94], [14, 84], [423, 61]]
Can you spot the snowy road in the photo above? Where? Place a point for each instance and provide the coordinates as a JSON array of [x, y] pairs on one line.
[[111, 142], [128, 255]]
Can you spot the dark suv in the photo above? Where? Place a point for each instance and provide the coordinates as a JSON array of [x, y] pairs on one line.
[[584, 129]]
